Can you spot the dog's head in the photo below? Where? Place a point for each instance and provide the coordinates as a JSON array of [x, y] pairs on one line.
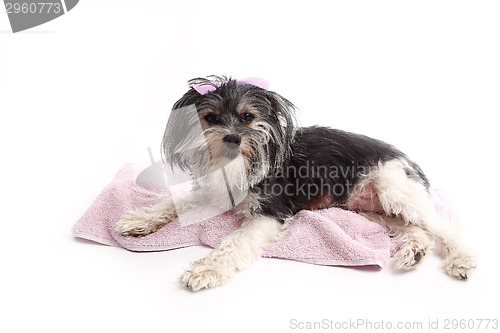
[[232, 120]]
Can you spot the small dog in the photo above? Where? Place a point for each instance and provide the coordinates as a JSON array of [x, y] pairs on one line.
[[239, 138]]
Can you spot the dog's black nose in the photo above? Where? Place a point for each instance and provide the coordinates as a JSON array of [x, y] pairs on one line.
[[232, 140]]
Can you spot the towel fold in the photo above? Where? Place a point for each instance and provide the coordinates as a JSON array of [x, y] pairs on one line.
[[326, 237]]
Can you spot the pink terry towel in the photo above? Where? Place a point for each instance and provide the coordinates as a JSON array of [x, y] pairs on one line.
[[326, 237]]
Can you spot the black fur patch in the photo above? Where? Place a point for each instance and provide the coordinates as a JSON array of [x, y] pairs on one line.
[[325, 161]]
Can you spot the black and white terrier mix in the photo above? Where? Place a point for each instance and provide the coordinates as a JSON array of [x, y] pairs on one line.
[[236, 137]]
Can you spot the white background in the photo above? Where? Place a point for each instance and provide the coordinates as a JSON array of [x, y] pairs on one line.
[[82, 95]]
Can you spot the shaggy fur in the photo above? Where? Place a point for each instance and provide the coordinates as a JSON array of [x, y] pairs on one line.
[[241, 145]]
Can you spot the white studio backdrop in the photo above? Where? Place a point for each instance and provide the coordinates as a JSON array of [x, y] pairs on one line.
[[89, 91]]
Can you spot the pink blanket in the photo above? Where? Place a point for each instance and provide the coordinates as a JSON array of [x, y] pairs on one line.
[[326, 237]]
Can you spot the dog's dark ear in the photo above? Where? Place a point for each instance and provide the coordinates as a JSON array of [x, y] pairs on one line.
[[182, 124], [283, 107], [190, 97], [285, 111]]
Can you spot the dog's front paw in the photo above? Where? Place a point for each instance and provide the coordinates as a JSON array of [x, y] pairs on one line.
[[460, 265], [139, 223], [205, 275]]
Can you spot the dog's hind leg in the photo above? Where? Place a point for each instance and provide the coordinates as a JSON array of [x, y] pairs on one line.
[[400, 193], [414, 243]]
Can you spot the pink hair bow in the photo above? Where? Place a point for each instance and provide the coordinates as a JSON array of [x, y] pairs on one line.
[[205, 88]]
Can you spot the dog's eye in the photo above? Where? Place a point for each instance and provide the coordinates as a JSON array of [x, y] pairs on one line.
[[210, 118], [247, 117]]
